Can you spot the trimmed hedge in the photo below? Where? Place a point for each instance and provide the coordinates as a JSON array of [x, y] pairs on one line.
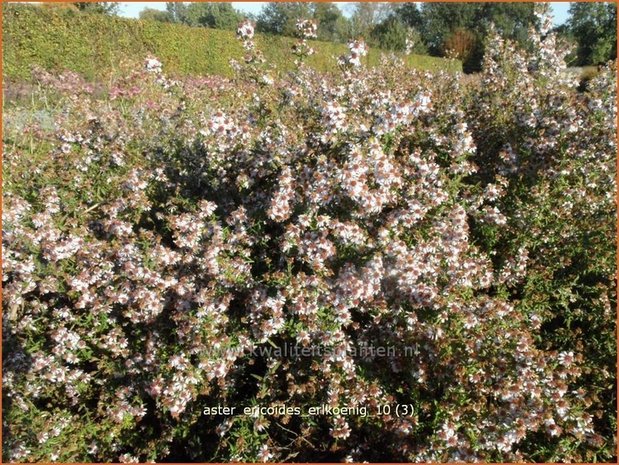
[[93, 45]]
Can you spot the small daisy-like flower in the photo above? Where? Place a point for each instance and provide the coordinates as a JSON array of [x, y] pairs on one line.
[[264, 454], [245, 30]]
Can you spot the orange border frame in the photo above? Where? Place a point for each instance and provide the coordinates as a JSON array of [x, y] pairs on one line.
[[363, 1]]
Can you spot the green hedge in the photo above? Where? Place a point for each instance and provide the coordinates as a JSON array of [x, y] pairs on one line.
[[93, 45]]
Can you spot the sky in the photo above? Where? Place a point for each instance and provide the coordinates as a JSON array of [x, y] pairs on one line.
[[132, 9]]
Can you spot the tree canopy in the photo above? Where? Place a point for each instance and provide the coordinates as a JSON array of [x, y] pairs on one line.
[[281, 17], [445, 24], [594, 26]]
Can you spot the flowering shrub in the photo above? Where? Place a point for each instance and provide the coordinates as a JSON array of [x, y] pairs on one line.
[[358, 49], [306, 29], [160, 243]]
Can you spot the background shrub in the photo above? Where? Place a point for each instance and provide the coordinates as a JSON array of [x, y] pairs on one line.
[[93, 45]]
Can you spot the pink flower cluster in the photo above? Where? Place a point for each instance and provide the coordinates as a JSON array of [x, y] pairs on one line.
[[357, 50]]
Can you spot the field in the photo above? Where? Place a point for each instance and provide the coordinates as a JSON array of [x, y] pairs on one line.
[[374, 263]]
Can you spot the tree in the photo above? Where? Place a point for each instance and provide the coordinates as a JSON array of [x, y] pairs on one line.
[[108, 8], [390, 34], [177, 11], [398, 29], [440, 19], [439, 22], [593, 25], [409, 14], [281, 17], [151, 14], [332, 24], [512, 20], [366, 15], [214, 15]]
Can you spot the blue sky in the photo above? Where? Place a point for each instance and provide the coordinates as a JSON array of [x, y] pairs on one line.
[[132, 9]]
